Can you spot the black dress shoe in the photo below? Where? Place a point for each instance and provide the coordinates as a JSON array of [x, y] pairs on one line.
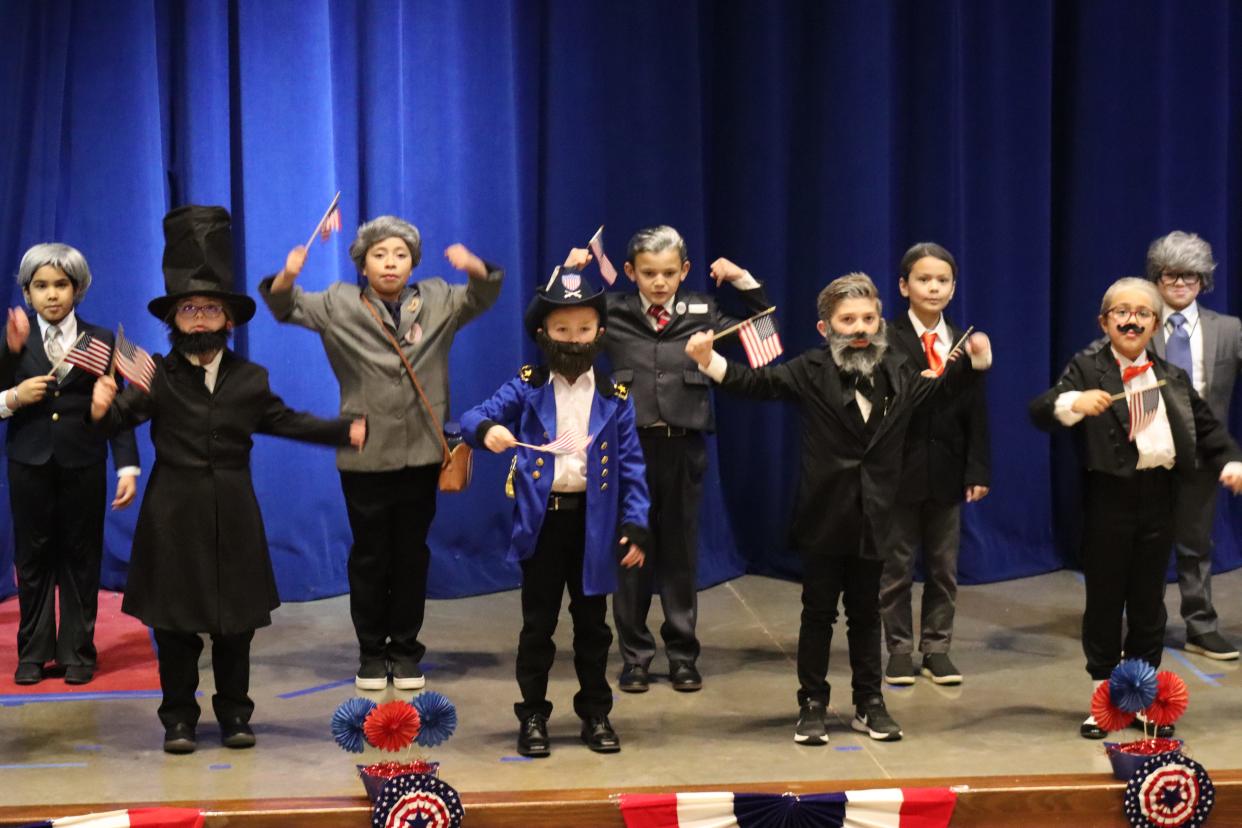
[[1090, 730], [533, 736], [599, 736], [179, 738], [634, 679], [79, 674], [28, 673], [235, 733], [684, 677]]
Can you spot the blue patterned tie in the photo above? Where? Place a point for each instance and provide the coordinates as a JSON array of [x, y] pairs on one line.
[[1177, 349]]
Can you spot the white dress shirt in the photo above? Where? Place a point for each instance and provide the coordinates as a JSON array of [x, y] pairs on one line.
[[1191, 312], [573, 411]]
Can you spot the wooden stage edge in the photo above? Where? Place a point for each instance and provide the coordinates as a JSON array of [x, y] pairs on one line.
[[1050, 801]]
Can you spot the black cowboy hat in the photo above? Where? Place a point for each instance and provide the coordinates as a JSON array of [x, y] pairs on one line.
[[566, 289]]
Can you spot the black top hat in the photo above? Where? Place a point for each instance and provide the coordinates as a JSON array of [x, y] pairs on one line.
[[198, 261], [566, 289]]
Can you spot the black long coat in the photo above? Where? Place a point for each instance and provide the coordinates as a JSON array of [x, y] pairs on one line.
[[849, 478], [200, 560]]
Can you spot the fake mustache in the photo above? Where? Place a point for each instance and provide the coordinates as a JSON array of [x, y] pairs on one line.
[[1130, 327]]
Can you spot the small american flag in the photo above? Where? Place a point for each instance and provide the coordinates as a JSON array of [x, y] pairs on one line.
[[596, 244], [760, 340], [568, 441], [133, 362], [90, 354], [1143, 403], [331, 224]]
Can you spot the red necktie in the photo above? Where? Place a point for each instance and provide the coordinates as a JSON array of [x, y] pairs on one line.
[[934, 361], [1131, 371], [660, 314]]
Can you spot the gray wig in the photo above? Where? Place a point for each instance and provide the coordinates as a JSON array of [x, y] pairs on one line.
[[385, 227], [67, 259], [1136, 283], [1181, 252], [655, 240]]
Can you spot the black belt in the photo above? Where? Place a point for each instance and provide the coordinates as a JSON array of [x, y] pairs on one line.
[[664, 431], [566, 501]]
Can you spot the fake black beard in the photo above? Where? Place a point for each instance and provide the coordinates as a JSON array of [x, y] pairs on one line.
[[861, 361], [569, 359], [203, 342]]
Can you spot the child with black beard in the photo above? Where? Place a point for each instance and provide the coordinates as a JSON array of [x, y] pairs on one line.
[[579, 511], [200, 560], [855, 397]]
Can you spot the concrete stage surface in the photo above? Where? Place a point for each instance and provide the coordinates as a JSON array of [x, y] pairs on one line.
[[1018, 711]]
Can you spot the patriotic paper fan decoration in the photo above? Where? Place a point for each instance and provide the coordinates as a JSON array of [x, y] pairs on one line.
[[1132, 685], [1107, 715], [347, 723], [419, 800], [438, 718], [392, 726], [1171, 699], [1169, 791]]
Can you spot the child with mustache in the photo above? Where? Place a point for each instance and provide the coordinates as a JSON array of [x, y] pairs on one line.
[[1132, 475]]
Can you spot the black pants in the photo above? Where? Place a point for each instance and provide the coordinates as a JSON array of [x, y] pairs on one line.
[[58, 521], [390, 514], [230, 663], [855, 580], [675, 467], [1127, 540], [555, 565]]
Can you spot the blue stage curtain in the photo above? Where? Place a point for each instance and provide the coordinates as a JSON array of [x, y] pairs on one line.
[[1044, 143]]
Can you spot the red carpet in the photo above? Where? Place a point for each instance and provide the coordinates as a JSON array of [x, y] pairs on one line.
[[126, 656]]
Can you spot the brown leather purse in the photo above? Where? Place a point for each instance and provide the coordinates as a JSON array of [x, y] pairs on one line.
[[458, 464]]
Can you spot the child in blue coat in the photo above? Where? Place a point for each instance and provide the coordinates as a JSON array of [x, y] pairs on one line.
[[575, 514]]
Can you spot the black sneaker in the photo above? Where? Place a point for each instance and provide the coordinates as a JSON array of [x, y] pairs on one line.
[[236, 734], [938, 668], [179, 738], [811, 730], [900, 670], [407, 676], [1090, 730], [634, 679], [372, 674], [1212, 645], [871, 717]]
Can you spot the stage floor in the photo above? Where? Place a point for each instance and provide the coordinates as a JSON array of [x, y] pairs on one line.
[[1018, 711]]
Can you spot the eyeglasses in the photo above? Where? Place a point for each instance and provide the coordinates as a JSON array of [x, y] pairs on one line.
[[189, 311], [1189, 279], [1122, 314]]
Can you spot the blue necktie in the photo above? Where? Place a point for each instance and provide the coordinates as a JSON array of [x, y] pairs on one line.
[[1177, 349]]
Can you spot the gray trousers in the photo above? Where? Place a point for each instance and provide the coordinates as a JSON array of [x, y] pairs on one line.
[[935, 528], [1195, 513]]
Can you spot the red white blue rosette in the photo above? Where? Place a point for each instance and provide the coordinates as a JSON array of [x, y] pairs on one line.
[[1169, 791], [417, 801]]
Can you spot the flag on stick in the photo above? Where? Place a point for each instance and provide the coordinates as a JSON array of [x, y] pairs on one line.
[[330, 223], [568, 441], [133, 362], [760, 340], [1143, 403], [596, 244], [90, 354]]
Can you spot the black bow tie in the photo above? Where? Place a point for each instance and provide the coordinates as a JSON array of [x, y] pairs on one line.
[[851, 382]]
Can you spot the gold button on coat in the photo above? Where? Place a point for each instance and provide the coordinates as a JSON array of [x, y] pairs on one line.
[[603, 487], [535, 474], [603, 446], [604, 460], [539, 461], [55, 417]]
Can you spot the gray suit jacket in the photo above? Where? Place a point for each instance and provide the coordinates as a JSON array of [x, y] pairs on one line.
[[1222, 358], [373, 381]]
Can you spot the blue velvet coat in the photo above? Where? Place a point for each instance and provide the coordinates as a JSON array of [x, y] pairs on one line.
[[616, 493]]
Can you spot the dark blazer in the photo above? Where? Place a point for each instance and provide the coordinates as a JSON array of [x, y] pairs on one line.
[[1103, 441], [200, 560], [664, 383], [56, 428], [848, 476], [1222, 357], [947, 444]]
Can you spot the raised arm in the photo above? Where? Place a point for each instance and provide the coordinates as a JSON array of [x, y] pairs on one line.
[[482, 288], [290, 303], [771, 382]]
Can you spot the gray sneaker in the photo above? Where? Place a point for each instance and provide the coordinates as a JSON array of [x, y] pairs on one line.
[[407, 676], [372, 674], [1213, 645], [938, 668], [900, 670], [811, 730], [871, 717]]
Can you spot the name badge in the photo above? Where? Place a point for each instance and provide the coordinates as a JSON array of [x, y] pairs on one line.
[[415, 334], [698, 307]]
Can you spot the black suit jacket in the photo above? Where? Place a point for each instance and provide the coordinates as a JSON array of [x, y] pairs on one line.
[[849, 474], [1103, 441], [664, 383], [57, 428], [947, 443]]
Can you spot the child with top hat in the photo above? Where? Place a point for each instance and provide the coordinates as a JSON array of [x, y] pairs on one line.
[[855, 396], [647, 331], [577, 515], [370, 332], [200, 562], [57, 467], [1141, 429]]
